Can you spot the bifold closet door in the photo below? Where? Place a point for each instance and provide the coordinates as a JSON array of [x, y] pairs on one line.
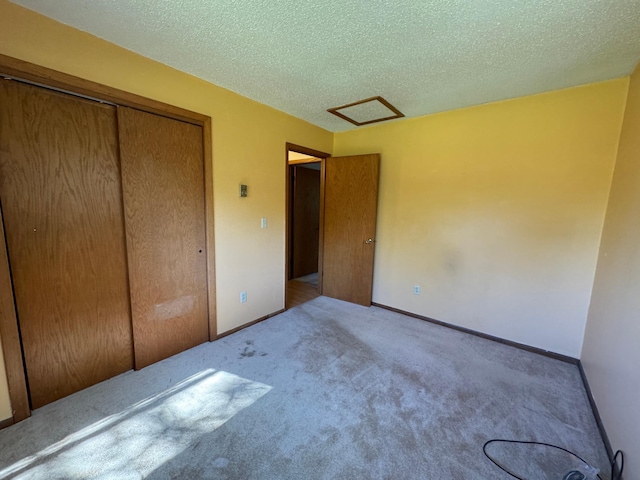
[[163, 186], [61, 201]]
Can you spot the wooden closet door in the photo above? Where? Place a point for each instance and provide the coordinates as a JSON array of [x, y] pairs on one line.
[[163, 184], [61, 201]]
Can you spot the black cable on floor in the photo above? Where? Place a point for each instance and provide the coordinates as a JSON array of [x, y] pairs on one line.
[[614, 466], [615, 473]]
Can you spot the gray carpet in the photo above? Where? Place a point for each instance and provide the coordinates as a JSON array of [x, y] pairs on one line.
[[327, 390]]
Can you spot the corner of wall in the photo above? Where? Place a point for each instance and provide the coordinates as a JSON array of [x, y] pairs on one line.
[[611, 345], [606, 208]]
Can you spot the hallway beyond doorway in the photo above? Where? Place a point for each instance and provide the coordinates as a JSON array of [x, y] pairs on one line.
[[301, 290]]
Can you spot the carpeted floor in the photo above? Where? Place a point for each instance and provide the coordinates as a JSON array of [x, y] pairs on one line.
[[327, 390]]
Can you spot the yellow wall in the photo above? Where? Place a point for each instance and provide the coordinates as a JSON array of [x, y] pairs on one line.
[[496, 211], [611, 352], [248, 147]]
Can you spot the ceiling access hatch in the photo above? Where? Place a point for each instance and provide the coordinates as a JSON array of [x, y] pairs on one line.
[[369, 110]]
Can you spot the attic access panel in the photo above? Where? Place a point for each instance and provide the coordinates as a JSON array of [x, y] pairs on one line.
[[369, 110]]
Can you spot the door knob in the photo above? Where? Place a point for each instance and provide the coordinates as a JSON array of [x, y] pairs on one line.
[[369, 240]]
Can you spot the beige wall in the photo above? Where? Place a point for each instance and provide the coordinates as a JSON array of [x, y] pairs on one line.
[[496, 211], [248, 147], [611, 352], [5, 404]]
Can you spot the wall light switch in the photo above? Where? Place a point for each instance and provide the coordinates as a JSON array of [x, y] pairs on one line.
[[263, 222], [416, 289], [243, 190], [243, 297]]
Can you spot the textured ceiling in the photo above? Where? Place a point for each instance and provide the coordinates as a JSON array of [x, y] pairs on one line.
[[423, 56]]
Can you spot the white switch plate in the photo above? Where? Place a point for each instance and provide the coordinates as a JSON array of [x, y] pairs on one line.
[[243, 297], [263, 222], [416, 289]]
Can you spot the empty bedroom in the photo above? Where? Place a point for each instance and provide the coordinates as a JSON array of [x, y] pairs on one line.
[[320, 240]]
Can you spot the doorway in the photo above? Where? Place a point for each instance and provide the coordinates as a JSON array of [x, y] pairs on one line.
[[305, 179], [342, 226]]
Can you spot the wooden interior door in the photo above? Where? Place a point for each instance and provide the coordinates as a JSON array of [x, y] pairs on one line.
[[306, 220], [164, 202], [61, 200], [350, 208]]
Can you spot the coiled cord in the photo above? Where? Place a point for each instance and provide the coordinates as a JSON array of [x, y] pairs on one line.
[[616, 474]]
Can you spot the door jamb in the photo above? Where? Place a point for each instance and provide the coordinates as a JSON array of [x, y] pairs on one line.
[[321, 156]]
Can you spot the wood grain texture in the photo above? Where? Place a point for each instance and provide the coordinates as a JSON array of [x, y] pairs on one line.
[[164, 203], [299, 293], [292, 147], [46, 76], [350, 209], [210, 231], [305, 221], [10, 336], [61, 200]]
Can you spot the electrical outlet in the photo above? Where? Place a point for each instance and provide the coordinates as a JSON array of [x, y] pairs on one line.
[[416, 289], [243, 297], [263, 222]]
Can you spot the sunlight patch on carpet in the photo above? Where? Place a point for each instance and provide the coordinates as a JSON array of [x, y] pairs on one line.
[[138, 440]]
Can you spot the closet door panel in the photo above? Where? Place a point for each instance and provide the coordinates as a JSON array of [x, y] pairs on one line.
[[163, 185], [61, 198]]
